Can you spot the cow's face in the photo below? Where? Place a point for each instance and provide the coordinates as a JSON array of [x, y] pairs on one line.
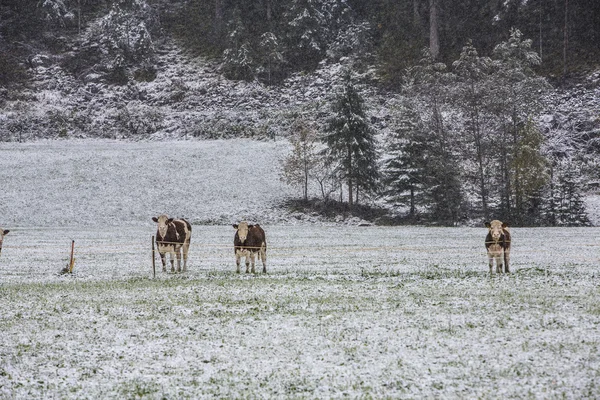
[[163, 224], [242, 230], [2, 234], [496, 229]]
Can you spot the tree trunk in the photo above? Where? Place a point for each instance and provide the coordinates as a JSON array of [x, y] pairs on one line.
[[269, 11], [412, 202], [478, 136], [434, 39], [540, 30], [349, 177], [218, 24], [416, 15], [566, 37]]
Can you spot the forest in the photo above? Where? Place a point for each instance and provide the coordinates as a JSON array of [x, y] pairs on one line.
[[495, 102]]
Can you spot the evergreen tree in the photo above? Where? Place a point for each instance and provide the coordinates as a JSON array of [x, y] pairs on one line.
[[305, 38], [351, 143], [404, 167], [430, 80], [473, 74], [271, 56], [238, 58], [563, 201], [531, 168], [516, 96]]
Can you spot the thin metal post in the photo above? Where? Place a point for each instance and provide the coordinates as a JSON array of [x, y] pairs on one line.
[[153, 259]]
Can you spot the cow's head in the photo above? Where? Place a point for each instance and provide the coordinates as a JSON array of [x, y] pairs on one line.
[[242, 230], [163, 224], [2, 234], [496, 229]]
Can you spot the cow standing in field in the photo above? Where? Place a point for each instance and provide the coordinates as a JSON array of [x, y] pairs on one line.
[[248, 241], [497, 244], [173, 235], [2, 234]]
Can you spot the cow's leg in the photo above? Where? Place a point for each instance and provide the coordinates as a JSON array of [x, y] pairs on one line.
[[178, 255], [238, 257], [248, 253], [263, 257], [172, 257], [499, 263], [491, 262], [164, 261], [252, 261], [186, 249], [506, 260]]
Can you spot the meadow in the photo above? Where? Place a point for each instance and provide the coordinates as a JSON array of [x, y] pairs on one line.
[[359, 312], [344, 311]]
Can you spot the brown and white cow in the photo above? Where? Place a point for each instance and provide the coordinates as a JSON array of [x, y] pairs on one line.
[[2, 234], [173, 235], [497, 243], [248, 241]]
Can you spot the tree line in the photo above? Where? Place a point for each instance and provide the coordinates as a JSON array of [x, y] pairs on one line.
[[466, 146], [269, 39]]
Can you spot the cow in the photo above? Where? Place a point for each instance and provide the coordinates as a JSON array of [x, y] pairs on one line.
[[2, 234], [248, 241], [497, 243], [173, 235]]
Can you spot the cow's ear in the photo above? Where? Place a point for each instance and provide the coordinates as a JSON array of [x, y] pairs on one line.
[[504, 225], [250, 226], [169, 220], [154, 219], [6, 232], [235, 226], [488, 225]]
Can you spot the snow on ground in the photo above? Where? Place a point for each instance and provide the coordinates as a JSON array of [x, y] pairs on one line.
[[101, 182], [592, 205], [345, 311]]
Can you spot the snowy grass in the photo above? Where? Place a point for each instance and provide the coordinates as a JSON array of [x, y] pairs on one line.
[[103, 182], [359, 312], [369, 312]]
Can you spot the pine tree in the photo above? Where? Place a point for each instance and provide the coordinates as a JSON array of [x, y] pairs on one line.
[[473, 74], [238, 58], [306, 41], [516, 96], [563, 203], [404, 168], [271, 55], [430, 81], [531, 168], [351, 143]]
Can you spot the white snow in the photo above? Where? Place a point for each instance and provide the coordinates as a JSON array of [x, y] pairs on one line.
[[345, 311], [112, 183]]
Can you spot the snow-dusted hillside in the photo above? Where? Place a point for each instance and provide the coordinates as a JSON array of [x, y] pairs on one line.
[[189, 97]]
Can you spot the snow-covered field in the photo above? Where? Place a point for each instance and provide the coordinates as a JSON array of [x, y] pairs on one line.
[[115, 183], [345, 311]]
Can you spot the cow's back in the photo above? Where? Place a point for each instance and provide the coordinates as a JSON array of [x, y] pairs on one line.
[[184, 230], [506, 240], [178, 231], [256, 238]]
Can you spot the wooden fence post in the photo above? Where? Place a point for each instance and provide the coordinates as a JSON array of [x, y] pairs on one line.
[[72, 261]]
